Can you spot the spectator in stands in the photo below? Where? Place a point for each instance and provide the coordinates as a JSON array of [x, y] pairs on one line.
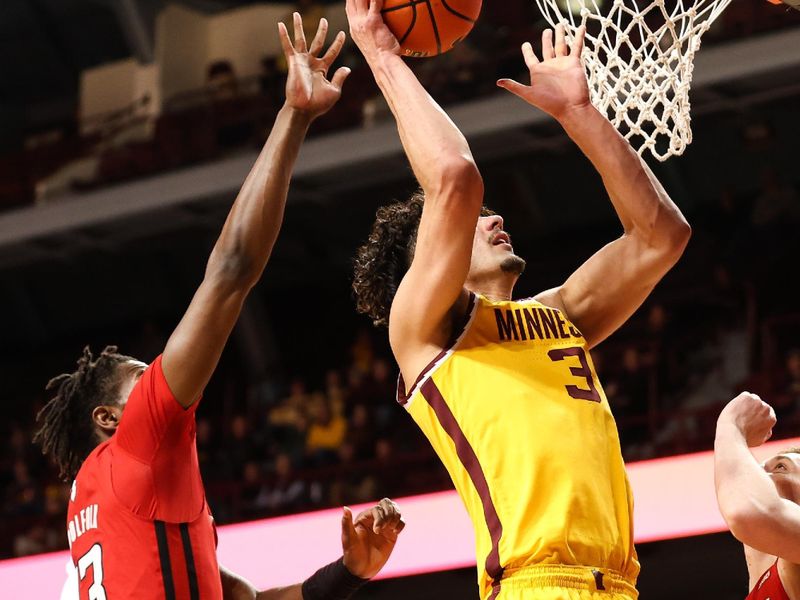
[[221, 81], [23, 494], [335, 392], [241, 445], [361, 433], [352, 485], [286, 491], [36, 540], [288, 421], [325, 435], [252, 492]]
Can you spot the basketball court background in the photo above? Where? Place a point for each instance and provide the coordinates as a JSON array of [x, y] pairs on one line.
[[126, 127]]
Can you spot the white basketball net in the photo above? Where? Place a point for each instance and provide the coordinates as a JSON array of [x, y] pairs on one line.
[[639, 57]]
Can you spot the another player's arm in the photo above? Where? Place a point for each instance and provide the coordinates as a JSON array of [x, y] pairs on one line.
[[367, 543], [443, 164], [249, 233], [605, 291], [748, 499]]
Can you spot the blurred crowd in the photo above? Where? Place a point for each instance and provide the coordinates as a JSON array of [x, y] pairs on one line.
[[721, 323], [231, 113]]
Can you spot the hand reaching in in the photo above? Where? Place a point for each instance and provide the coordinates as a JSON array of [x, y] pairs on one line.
[[558, 81], [368, 540], [308, 88]]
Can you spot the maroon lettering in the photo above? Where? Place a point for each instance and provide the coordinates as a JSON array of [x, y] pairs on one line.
[[506, 326], [583, 371], [548, 324], [533, 323]]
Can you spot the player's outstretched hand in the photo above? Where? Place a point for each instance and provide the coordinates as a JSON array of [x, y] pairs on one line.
[[558, 81], [368, 29], [368, 540], [308, 88], [753, 417]]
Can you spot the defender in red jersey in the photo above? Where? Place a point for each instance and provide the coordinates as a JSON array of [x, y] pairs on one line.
[[760, 503], [138, 522]]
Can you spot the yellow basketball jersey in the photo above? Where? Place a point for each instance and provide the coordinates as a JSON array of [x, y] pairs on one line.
[[515, 412]]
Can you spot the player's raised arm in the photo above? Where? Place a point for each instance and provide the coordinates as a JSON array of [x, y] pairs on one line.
[[746, 492], [367, 543], [605, 291], [443, 164], [249, 233]]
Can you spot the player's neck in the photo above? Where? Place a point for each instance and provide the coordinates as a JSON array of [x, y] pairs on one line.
[[497, 288], [757, 564], [790, 577]]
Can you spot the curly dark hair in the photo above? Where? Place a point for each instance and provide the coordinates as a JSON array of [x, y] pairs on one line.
[[66, 432], [383, 260]]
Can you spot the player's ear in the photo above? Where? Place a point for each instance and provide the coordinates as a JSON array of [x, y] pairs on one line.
[[106, 418]]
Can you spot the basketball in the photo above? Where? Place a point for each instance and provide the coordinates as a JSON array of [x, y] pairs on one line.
[[430, 27]]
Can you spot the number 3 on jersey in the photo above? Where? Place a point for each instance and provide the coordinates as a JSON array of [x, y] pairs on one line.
[[93, 558], [584, 372]]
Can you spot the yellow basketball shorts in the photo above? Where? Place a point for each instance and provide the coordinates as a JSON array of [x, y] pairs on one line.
[[557, 582]]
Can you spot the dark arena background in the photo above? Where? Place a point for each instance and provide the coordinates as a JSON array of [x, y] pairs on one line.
[[126, 129]]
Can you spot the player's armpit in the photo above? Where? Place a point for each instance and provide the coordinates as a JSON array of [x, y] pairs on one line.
[[773, 530], [607, 289]]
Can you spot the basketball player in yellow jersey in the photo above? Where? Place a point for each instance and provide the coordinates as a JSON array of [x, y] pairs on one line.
[[505, 390]]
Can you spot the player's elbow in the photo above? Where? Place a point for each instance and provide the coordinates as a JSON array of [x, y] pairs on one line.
[[680, 232], [669, 239], [749, 522], [459, 179], [231, 269]]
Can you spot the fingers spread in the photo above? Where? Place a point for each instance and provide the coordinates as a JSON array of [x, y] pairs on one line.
[[547, 45], [299, 35], [529, 55], [514, 87], [319, 38], [286, 43], [333, 51], [561, 48], [577, 43], [338, 78]]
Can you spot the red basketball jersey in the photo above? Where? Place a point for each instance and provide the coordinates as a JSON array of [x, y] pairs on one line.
[[138, 523], [769, 587]]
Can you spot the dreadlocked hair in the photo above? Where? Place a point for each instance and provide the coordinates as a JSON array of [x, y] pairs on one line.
[[66, 431], [383, 260]]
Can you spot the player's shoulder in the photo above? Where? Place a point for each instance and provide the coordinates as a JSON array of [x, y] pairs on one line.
[[91, 466]]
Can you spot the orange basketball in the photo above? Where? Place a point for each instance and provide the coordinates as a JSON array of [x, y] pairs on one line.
[[430, 27]]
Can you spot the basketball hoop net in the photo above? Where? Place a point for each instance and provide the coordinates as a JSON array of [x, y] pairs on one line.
[[639, 61]]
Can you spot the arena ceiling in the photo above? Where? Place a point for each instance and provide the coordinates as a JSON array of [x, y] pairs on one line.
[[45, 44]]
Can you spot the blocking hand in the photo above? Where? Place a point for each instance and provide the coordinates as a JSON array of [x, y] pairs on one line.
[[308, 88], [558, 81]]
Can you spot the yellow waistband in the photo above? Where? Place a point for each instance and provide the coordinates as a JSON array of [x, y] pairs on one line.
[[587, 578]]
